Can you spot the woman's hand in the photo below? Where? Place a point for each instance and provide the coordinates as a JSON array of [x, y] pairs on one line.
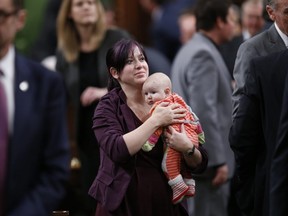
[[177, 140], [91, 94], [181, 142], [165, 114]]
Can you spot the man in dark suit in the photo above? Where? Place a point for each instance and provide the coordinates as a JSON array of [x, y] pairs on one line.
[[254, 131], [36, 151], [271, 40]]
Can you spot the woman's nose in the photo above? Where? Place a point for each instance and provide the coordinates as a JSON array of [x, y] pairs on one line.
[[138, 64]]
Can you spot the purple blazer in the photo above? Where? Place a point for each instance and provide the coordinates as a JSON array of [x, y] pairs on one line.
[[116, 164], [112, 119]]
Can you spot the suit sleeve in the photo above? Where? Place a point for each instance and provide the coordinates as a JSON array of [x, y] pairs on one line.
[[245, 140], [245, 53]]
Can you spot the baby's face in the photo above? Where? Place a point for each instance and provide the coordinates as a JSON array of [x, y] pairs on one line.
[[153, 93]]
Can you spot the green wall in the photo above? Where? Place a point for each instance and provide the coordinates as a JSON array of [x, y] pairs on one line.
[[26, 37]]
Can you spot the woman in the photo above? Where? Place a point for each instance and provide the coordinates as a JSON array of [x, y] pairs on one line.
[[83, 40], [130, 181]]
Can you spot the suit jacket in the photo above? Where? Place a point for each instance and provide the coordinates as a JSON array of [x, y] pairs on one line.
[[38, 159], [201, 77], [262, 44], [278, 173], [254, 130]]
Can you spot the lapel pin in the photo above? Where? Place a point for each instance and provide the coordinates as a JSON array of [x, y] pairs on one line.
[[24, 86]]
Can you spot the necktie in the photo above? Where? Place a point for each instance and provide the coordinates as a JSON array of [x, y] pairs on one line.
[[3, 142]]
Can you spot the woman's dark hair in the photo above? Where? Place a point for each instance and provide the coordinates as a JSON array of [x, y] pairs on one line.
[[207, 12], [117, 56]]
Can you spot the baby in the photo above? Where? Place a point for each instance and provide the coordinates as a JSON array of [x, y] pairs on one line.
[[156, 89]]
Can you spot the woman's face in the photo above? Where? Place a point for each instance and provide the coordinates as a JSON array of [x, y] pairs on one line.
[[84, 12], [136, 70]]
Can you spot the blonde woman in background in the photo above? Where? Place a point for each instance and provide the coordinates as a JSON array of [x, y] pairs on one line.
[[83, 40]]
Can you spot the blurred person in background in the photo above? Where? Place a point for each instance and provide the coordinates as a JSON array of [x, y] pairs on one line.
[[164, 29], [187, 24], [251, 21], [252, 18], [45, 45], [83, 40], [199, 67], [34, 150]]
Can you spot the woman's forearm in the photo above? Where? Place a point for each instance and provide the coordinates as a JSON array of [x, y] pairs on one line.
[[136, 138]]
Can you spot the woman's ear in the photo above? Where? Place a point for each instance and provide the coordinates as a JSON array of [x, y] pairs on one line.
[[114, 73]]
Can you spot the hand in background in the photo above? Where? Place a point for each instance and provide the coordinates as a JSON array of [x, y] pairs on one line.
[[221, 175], [91, 94]]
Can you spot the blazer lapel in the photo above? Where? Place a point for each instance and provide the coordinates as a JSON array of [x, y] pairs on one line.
[[23, 97], [276, 41]]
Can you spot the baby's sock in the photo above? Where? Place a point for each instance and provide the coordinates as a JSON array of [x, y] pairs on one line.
[[179, 189], [191, 185]]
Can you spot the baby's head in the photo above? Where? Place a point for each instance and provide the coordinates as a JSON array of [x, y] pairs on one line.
[[157, 87]]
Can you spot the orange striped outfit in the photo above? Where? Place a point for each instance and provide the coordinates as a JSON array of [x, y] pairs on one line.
[[171, 163]]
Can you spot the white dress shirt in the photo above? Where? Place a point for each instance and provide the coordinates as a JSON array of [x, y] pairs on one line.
[[7, 65]]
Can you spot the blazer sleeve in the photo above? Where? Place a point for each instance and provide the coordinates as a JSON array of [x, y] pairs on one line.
[[245, 141], [245, 53], [109, 125]]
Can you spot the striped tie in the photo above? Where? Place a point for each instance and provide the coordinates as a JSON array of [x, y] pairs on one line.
[[3, 142]]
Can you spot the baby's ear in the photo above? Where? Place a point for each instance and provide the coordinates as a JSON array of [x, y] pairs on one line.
[[167, 91]]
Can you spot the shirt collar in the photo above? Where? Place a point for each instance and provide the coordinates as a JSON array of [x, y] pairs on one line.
[[282, 35], [7, 63], [246, 35]]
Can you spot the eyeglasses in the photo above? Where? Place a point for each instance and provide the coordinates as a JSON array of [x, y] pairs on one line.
[[4, 15]]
